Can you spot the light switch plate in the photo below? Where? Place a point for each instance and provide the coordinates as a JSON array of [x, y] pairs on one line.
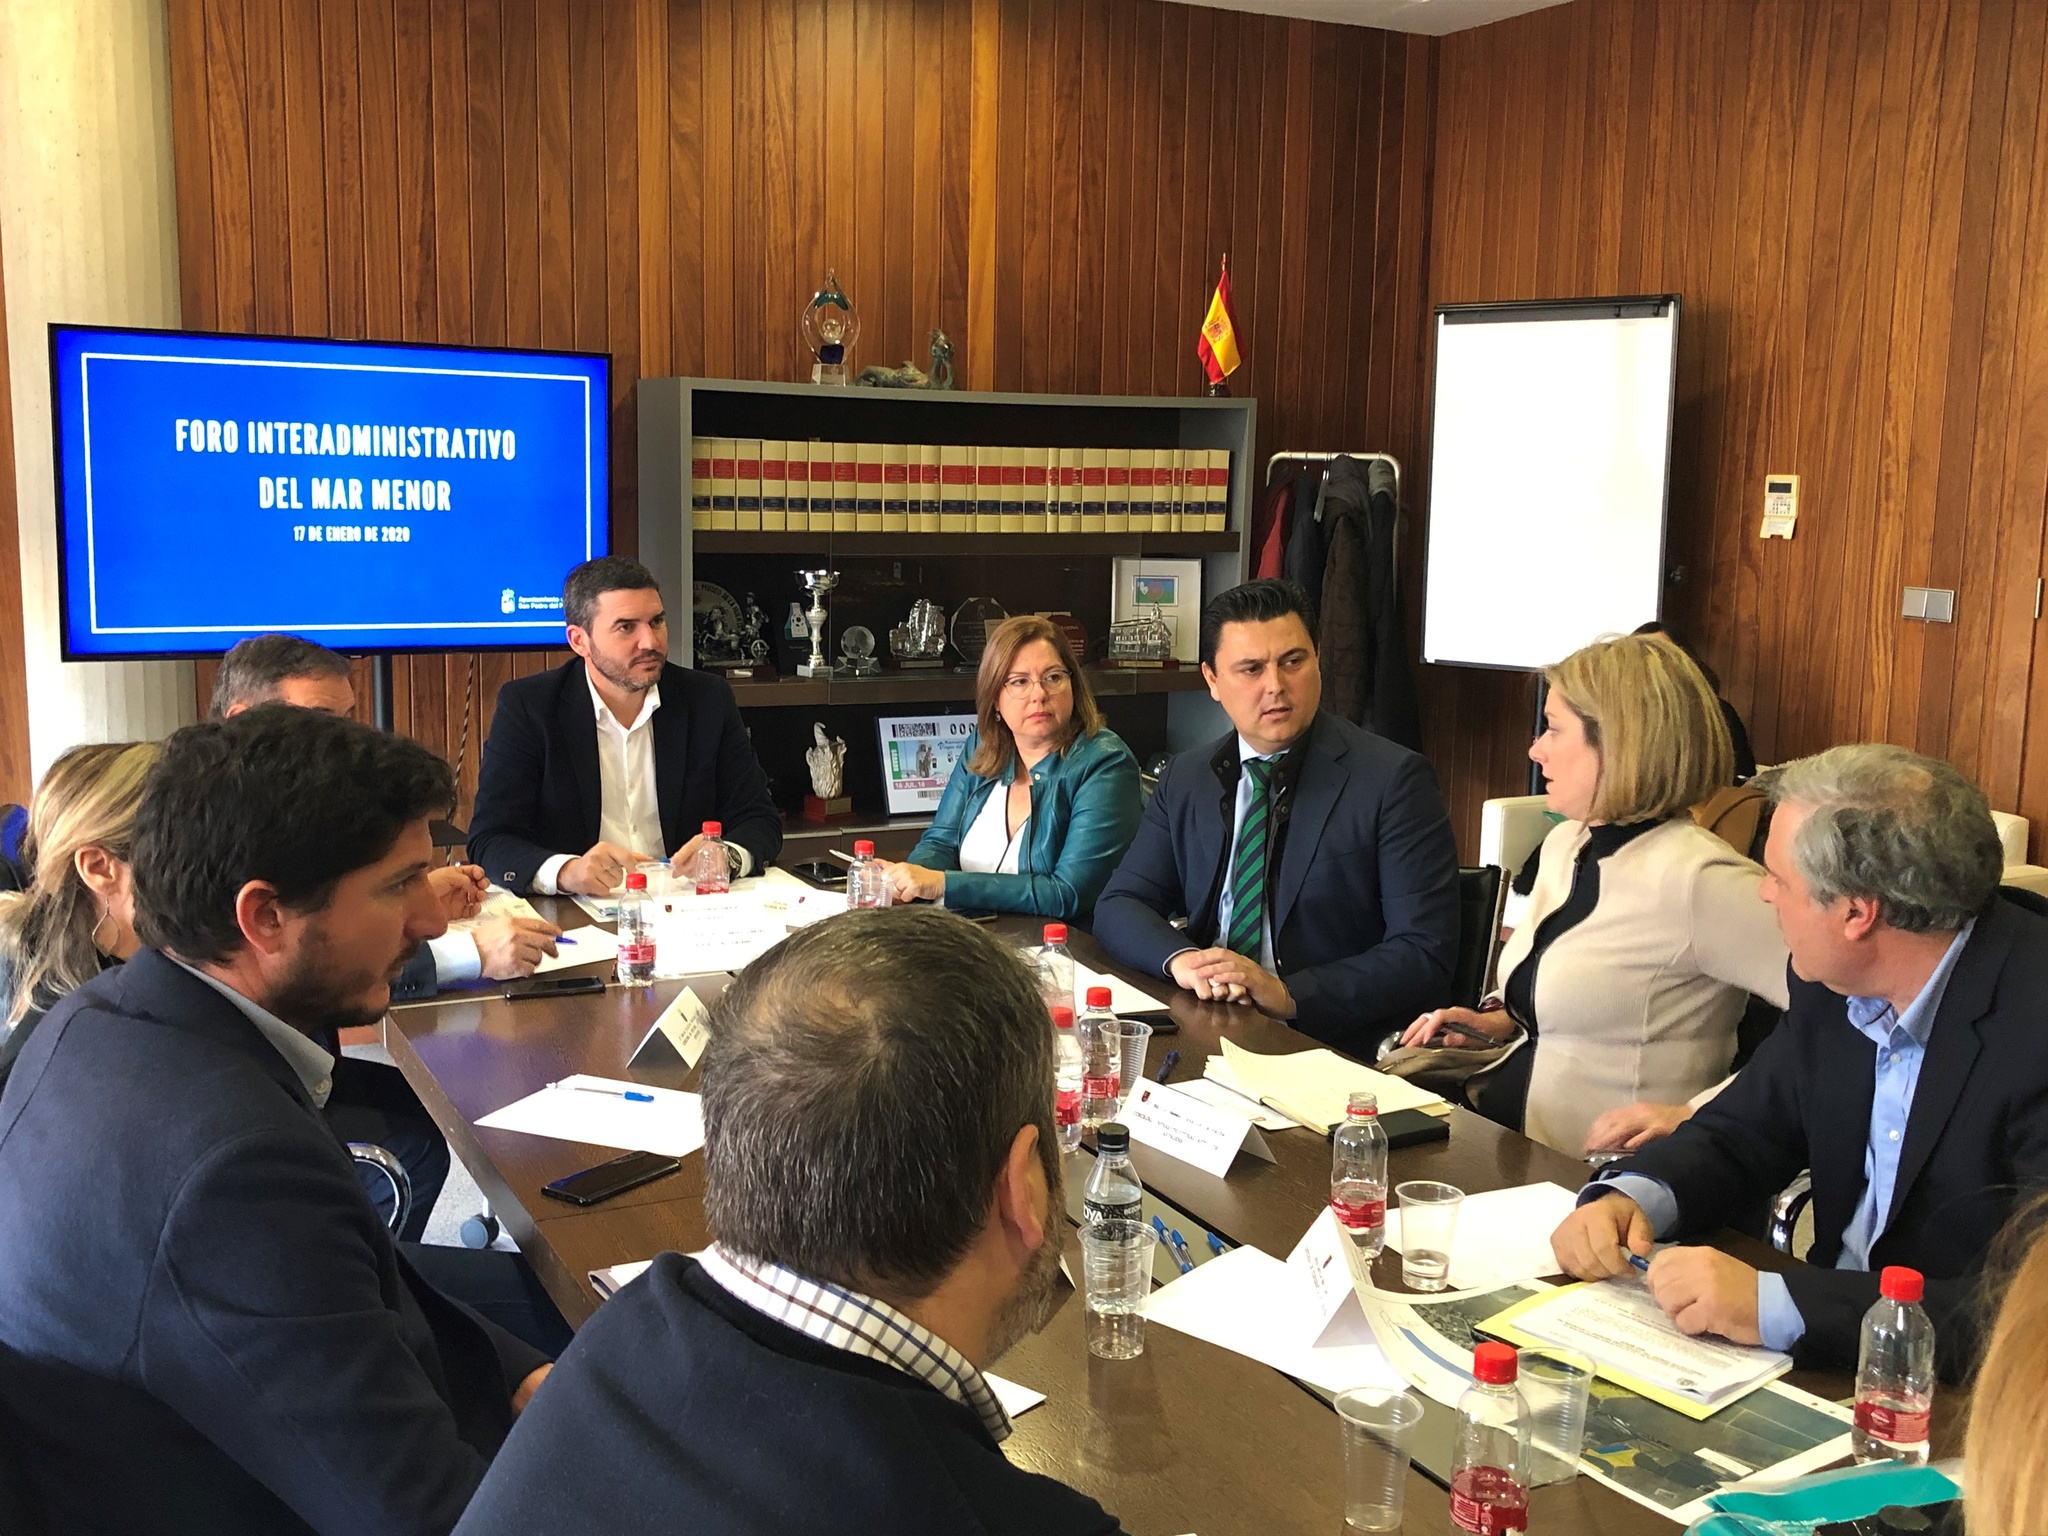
[[1936, 605]]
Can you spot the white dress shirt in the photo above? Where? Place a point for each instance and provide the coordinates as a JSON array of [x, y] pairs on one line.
[[629, 813]]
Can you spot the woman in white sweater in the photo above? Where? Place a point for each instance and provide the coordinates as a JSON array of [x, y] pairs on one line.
[[1627, 978]]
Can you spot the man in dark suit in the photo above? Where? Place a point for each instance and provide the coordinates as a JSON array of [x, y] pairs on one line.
[[204, 1325], [618, 753], [1910, 1074], [371, 1101], [881, 1173], [1312, 860]]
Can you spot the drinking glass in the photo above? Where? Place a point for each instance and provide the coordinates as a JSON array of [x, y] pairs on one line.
[[1116, 1272], [658, 876], [1556, 1384], [1132, 1038], [1429, 1222], [1378, 1425]]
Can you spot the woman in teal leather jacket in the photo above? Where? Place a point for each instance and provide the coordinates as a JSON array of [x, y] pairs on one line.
[[1044, 801]]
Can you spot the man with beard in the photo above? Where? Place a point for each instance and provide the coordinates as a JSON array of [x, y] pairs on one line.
[[883, 1187], [204, 1325], [616, 753]]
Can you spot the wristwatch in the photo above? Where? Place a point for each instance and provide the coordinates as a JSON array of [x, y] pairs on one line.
[[735, 861]]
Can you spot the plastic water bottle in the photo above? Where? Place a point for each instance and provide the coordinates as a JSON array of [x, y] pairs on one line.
[[1101, 1060], [709, 866], [1113, 1192], [867, 882], [1054, 963], [636, 933], [1066, 1067], [1490, 1463], [1358, 1180], [1894, 1372]]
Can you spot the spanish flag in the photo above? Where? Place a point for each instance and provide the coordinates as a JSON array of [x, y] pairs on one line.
[[1217, 345]]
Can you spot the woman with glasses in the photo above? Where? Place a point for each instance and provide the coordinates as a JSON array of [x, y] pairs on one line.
[[1044, 800]]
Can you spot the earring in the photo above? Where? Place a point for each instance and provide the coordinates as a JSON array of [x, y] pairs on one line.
[[106, 916]]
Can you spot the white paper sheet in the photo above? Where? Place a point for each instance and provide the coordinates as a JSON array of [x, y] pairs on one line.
[[1316, 1086], [1014, 1396], [1123, 997], [672, 1124], [1619, 1324], [1248, 1302], [586, 946], [1212, 1091], [1503, 1235]]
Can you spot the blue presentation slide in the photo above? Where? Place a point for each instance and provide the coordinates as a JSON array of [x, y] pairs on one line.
[[368, 496]]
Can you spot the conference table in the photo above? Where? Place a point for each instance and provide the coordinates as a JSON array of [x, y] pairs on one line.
[[1188, 1437]]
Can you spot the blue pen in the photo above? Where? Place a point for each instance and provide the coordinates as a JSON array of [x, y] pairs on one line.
[[1640, 1264], [617, 1093], [1216, 1244], [1180, 1257], [1166, 1067]]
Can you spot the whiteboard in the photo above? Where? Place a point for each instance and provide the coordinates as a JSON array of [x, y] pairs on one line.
[[1549, 462]]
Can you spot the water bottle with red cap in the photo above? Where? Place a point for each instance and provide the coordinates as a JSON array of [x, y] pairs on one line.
[[1894, 1372], [867, 881], [1067, 1079], [1054, 964], [1358, 1182], [709, 868], [635, 932], [1490, 1464], [1101, 1060]]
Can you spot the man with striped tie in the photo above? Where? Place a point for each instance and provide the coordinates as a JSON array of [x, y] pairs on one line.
[[1312, 860]]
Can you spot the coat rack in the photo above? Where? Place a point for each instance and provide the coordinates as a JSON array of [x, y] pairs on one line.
[[1302, 456]]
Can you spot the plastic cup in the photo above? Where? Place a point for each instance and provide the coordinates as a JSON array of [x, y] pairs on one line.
[[1429, 1223], [1378, 1426], [1132, 1039], [1116, 1274], [658, 876], [1556, 1384]]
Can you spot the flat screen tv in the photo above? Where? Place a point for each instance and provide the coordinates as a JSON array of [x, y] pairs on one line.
[[368, 495]]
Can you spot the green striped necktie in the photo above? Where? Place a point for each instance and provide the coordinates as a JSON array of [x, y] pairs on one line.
[[1248, 866]]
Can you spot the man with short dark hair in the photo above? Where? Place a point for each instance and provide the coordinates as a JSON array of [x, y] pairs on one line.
[[618, 753], [1312, 860], [1910, 1075], [371, 1101], [883, 1183], [204, 1325]]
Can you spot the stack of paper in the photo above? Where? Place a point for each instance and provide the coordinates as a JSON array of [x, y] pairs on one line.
[[1315, 1087], [1503, 1235], [1620, 1327], [596, 1111]]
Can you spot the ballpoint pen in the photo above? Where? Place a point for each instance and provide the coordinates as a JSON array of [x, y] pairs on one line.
[[1179, 1250], [617, 1093], [1216, 1244], [1166, 1067]]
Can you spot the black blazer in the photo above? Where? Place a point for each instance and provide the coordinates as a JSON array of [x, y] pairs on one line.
[[1976, 1139], [538, 792], [204, 1327], [679, 1408], [1364, 893]]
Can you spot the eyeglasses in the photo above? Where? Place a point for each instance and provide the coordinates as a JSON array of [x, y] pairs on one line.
[[1053, 681]]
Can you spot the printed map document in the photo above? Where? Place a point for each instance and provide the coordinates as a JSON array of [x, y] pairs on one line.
[[1629, 1339], [593, 1110]]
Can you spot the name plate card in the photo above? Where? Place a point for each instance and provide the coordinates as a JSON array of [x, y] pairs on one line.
[[1200, 1134]]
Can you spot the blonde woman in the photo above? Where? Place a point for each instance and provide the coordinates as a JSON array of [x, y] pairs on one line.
[[78, 917], [1044, 800], [1627, 978], [2005, 1449]]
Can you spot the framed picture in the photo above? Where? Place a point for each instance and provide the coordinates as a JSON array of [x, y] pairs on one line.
[[1172, 589], [918, 754]]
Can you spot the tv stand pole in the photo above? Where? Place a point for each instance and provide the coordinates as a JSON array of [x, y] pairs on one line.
[[380, 690]]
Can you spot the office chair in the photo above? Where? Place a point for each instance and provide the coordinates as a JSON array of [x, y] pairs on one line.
[[1787, 1209], [1479, 898], [374, 1156]]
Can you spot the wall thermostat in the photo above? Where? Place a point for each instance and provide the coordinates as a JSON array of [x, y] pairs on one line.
[[1781, 506]]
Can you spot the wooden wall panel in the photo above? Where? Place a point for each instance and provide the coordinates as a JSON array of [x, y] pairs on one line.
[[1852, 197], [1052, 182], [15, 773]]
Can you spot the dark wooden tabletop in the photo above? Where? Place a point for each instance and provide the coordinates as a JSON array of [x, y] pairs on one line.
[[1188, 1437]]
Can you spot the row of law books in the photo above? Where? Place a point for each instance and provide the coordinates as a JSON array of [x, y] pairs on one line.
[[746, 485]]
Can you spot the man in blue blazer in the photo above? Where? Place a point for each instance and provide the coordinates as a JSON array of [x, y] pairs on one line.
[[617, 756], [204, 1325], [1910, 1076], [1312, 861]]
